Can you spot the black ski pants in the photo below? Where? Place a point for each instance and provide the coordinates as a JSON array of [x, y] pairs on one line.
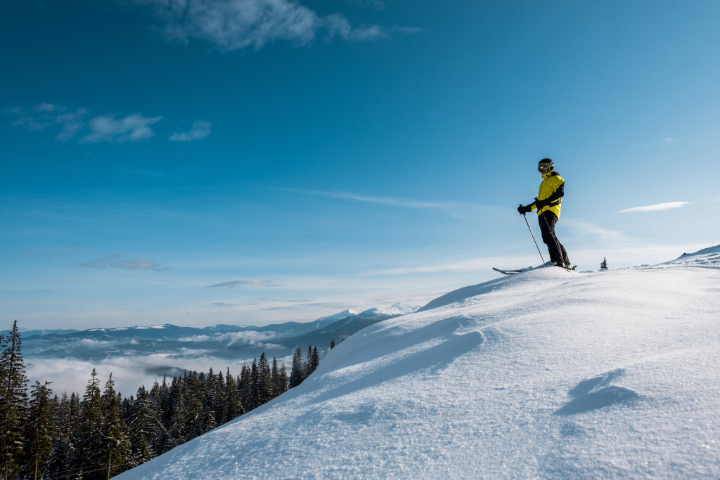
[[547, 226]]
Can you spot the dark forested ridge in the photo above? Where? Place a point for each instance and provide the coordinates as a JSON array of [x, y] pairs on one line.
[[100, 434]]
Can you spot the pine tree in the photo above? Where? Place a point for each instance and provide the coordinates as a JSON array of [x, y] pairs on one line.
[[282, 384], [89, 439], [62, 448], [275, 378], [220, 399], [247, 388], [39, 430], [177, 433], [208, 406], [297, 374], [13, 401], [332, 344], [142, 427], [316, 357], [233, 398], [196, 396], [313, 361], [166, 401], [254, 380], [264, 381], [116, 435], [308, 367], [155, 395]]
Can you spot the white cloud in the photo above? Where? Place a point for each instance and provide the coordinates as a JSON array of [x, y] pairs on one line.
[[241, 283], [397, 202], [103, 128], [129, 372], [657, 207], [469, 265], [138, 264], [71, 123], [669, 139], [106, 128], [111, 260], [238, 24], [233, 338], [338, 25], [376, 4], [200, 130], [586, 228], [48, 107]]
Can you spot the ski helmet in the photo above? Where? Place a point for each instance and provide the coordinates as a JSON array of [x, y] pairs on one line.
[[545, 165]]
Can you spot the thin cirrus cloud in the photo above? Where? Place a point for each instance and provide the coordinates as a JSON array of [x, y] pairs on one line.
[[200, 130], [656, 207], [396, 202], [238, 24], [117, 260], [242, 283]]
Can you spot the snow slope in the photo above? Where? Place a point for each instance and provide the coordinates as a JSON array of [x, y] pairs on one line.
[[545, 374]]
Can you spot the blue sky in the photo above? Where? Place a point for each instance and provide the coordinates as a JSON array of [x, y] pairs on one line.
[[256, 161]]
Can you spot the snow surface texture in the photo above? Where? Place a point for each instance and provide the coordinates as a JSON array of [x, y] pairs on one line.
[[544, 374]]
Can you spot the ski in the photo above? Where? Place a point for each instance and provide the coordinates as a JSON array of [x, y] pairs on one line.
[[512, 272], [521, 270]]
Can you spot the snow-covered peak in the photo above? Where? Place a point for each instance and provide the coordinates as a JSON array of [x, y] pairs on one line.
[[397, 309], [338, 316], [707, 257]]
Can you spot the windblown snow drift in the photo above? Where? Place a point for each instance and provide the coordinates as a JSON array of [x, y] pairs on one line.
[[545, 374]]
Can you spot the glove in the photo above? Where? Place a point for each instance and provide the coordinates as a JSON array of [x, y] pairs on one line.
[[522, 210]]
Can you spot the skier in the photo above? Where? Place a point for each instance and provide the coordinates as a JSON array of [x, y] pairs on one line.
[[547, 204]]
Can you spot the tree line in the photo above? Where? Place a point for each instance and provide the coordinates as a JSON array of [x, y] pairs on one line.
[[101, 434]]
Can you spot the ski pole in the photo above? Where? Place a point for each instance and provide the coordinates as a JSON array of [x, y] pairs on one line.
[[533, 235]]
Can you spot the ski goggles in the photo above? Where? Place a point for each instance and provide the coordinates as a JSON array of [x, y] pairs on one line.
[[544, 167]]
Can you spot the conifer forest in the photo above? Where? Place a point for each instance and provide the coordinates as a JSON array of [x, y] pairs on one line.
[[99, 433]]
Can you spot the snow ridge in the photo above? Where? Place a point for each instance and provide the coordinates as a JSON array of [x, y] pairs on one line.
[[543, 374]]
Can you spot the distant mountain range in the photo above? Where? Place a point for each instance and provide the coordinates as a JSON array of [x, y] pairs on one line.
[[228, 342]]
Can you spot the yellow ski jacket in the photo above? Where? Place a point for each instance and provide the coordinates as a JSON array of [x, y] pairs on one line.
[[550, 193]]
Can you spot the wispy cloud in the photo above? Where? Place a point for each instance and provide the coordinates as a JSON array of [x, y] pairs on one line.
[[656, 207], [408, 30], [396, 202], [586, 228], [55, 251], [376, 4], [242, 283], [103, 128], [233, 338], [238, 24], [149, 173], [337, 25], [472, 264], [48, 115], [670, 140], [200, 130], [113, 260], [107, 128], [222, 305]]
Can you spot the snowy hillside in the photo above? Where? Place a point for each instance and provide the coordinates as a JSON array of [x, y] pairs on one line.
[[546, 374]]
